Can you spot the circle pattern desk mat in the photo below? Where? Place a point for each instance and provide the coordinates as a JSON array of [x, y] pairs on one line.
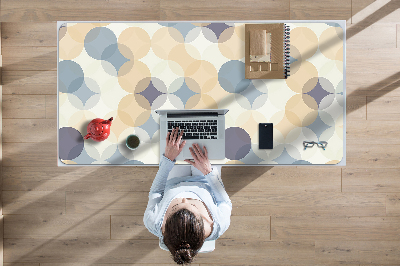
[[129, 70]]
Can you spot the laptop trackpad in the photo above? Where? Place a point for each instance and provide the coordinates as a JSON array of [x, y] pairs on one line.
[[209, 145]]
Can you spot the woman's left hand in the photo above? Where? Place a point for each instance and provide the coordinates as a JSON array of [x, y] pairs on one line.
[[174, 145]]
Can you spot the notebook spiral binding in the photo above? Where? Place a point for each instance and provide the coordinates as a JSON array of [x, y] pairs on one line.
[[286, 51]]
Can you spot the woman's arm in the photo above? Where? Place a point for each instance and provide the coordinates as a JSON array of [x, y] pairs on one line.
[[167, 161], [156, 194]]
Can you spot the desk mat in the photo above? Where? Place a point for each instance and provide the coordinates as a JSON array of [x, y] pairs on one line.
[[129, 70]]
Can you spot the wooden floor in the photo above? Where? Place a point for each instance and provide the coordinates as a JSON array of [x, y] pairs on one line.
[[281, 215]]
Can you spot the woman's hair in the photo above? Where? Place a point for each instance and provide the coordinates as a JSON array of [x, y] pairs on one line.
[[184, 235]]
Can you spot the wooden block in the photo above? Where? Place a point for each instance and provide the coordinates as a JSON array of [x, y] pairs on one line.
[[24, 106], [384, 36], [40, 130], [29, 58], [373, 132], [393, 204], [30, 154], [129, 227], [383, 108], [29, 34], [282, 179], [356, 108], [367, 252], [308, 204], [369, 12], [318, 10], [110, 203], [372, 156], [224, 10], [33, 202], [30, 82], [51, 106], [335, 228], [50, 226], [371, 180], [49, 10], [79, 178]]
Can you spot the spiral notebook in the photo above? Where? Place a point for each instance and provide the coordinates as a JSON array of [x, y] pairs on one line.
[[267, 51]]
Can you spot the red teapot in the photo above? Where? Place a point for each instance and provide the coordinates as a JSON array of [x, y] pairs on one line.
[[98, 129]]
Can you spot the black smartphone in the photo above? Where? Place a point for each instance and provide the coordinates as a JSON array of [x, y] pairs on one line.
[[265, 136]]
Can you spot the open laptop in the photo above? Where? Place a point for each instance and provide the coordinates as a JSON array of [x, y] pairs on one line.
[[205, 127]]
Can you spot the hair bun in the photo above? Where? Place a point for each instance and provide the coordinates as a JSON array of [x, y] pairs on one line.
[[183, 256]]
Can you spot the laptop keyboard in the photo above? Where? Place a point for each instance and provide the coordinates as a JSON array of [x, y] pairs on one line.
[[195, 129]]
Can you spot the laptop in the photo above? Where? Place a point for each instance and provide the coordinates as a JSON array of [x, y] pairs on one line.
[[205, 127]]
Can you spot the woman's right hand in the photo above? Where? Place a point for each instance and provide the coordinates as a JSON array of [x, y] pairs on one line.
[[200, 159]]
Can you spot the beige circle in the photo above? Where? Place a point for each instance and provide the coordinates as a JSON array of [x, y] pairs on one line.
[[180, 55], [131, 112], [305, 40], [162, 42], [232, 48], [205, 75], [137, 40], [79, 31], [300, 107], [285, 125], [69, 48], [303, 73], [330, 42], [137, 72]]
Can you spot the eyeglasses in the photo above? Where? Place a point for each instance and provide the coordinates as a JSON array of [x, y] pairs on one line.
[[309, 144]]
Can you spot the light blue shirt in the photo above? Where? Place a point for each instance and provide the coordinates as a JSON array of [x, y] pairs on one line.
[[209, 188]]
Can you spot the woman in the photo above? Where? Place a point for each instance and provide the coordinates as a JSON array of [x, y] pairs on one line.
[[186, 209]]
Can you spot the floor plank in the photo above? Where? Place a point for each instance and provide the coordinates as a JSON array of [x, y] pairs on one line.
[[40, 130], [204, 10], [129, 227], [384, 36], [27, 154], [30, 82], [372, 156], [24, 106], [75, 10], [362, 252], [51, 107], [50, 226], [371, 180], [393, 204], [281, 179], [109, 203], [29, 34], [308, 204], [369, 12], [147, 251], [33, 202], [383, 108], [338, 10], [356, 108], [373, 132], [79, 179], [31, 58], [335, 228]]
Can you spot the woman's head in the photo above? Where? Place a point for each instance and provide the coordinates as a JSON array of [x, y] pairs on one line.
[[184, 235]]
